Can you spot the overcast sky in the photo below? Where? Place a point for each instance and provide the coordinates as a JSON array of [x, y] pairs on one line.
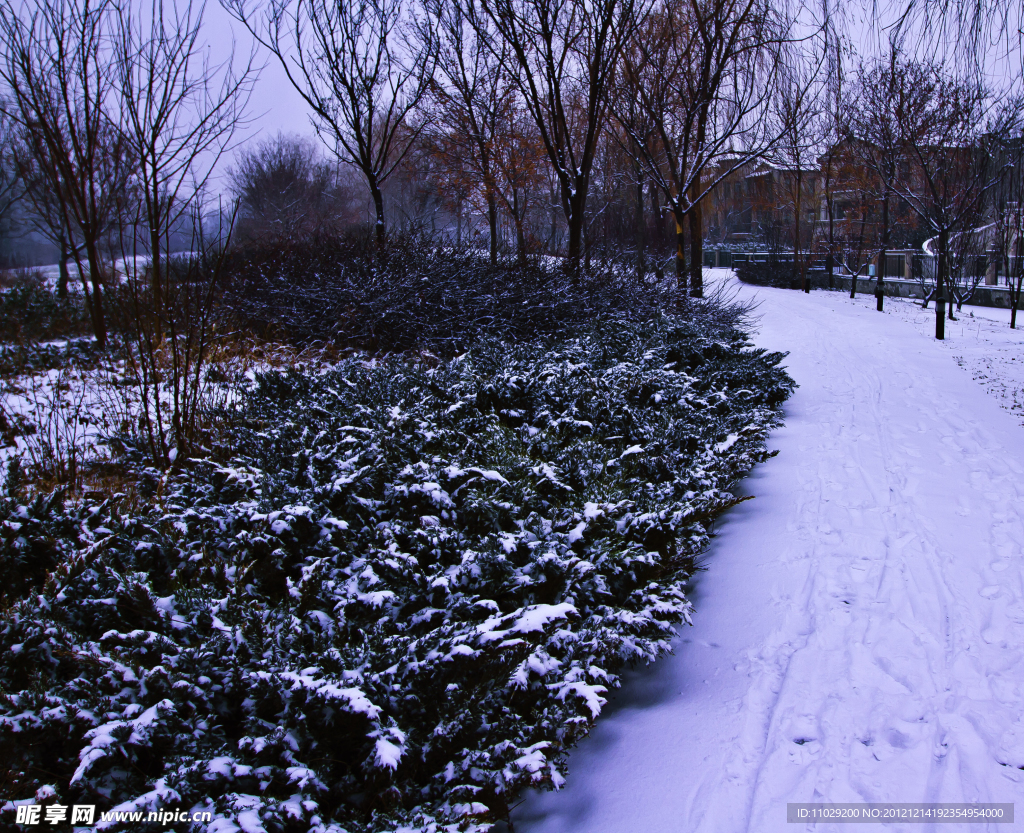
[[275, 106]]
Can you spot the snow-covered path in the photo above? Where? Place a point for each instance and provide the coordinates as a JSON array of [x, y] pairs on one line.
[[859, 633]]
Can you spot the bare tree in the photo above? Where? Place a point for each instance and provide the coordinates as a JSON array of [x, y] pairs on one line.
[[56, 66], [833, 128], [362, 76], [519, 168], [169, 371], [967, 31], [635, 139], [11, 182], [286, 191], [178, 114], [797, 107], [946, 129], [703, 72], [882, 91], [562, 56], [1009, 216], [469, 91], [46, 216]]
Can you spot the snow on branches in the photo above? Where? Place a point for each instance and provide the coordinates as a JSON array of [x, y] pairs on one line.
[[403, 598]]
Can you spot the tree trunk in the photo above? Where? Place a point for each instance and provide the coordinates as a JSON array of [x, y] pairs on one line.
[[517, 220], [853, 282], [575, 249], [99, 324], [554, 226], [798, 273], [156, 260], [696, 251], [680, 253], [940, 291], [156, 268], [588, 247], [62, 281], [641, 230], [1015, 294], [378, 207], [659, 220], [830, 259], [1015, 302], [883, 255], [575, 203], [492, 224]]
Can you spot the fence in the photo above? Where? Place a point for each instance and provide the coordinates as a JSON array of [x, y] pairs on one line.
[[909, 264], [909, 274]]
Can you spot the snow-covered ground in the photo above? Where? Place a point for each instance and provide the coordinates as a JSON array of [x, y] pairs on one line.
[[122, 267], [980, 341], [68, 410], [859, 632]]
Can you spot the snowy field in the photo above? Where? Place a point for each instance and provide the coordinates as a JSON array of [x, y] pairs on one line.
[[980, 341], [859, 632], [67, 410]]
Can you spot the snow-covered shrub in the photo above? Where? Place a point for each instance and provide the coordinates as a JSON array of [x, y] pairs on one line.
[[401, 600], [35, 357], [29, 311], [419, 294], [775, 273]]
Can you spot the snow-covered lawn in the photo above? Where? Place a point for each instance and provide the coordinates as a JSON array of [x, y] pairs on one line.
[[63, 413], [478, 545], [122, 266], [859, 633], [980, 340]]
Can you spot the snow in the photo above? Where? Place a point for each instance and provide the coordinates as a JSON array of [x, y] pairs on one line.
[[153, 801], [488, 475], [980, 341], [45, 793], [549, 473], [727, 443], [537, 617], [859, 633], [354, 698], [103, 737], [71, 409], [249, 821], [387, 754], [576, 533]]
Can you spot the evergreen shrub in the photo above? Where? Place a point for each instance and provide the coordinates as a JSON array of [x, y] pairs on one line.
[[400, 600], [768, 273], [420, 294], [31, 311]]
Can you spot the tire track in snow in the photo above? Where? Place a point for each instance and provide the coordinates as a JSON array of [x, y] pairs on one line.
[[860, 633]]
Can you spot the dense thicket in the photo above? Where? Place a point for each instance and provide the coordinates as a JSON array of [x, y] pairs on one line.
[[401, 598], [29, 311], [418, 293]]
